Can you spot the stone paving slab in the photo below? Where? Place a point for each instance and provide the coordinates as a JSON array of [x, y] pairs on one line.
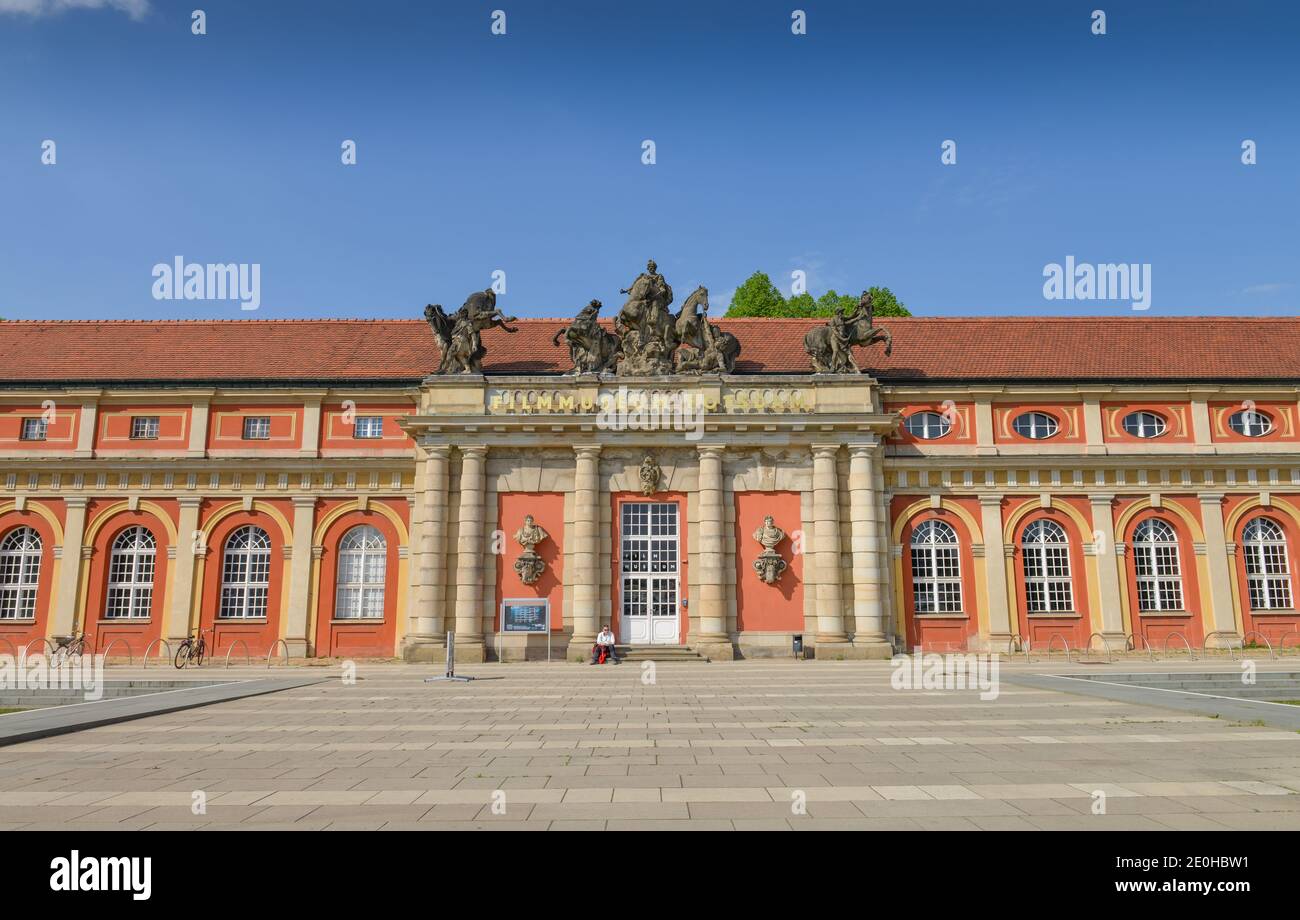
[[730, 745]]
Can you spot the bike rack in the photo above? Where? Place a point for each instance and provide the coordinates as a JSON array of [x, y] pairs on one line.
[[1064, 642], [14, 649], [50, 645], [1110, 657], [247, 658], [145, 660], [1014, 642], [130, 659], [1131, 645], [277, 644], [1281, 643], [1232, 653], [1268, 645], [1190, 653]]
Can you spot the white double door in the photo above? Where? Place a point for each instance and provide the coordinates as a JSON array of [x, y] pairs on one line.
[[649, 573]]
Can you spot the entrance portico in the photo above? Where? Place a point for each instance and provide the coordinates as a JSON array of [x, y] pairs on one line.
[[656, 475]]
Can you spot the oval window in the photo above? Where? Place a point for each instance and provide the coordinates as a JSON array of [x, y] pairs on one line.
[[1251, 423], [927, 425], [1035, 425], [1145, 424]]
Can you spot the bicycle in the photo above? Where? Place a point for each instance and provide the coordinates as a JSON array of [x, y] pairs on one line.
[[191, 650], [68, 646]]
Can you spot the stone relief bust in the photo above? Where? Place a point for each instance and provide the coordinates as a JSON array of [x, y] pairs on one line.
[[529, 565], [769, 565], [650, 476]]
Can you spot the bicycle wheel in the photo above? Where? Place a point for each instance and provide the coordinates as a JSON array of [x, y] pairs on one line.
[[199, 653], [182, 656]]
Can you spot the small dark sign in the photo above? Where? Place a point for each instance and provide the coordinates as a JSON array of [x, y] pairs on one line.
[[530, 616]]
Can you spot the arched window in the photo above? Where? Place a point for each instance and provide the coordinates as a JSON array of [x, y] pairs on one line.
[[1155, 562], [130, 575], [936, 569], [245, 574], [20, 571], [1046, 552], [363, 559], [1268, 570]]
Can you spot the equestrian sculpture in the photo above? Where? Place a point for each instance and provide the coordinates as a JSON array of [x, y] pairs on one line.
[[831, 346]]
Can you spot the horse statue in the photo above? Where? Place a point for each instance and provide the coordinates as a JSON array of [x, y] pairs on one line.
[[713, 351], [830, 347], [592, 348], [458, 335]]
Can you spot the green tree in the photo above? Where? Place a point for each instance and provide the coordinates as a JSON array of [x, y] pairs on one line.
[[758, 296]]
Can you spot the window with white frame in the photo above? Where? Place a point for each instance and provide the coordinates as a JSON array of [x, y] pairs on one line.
[[257, 428], [20, 573], [1035, 425], [927, 425], [1268, 568], [1156, 567], [1145, 424], [936, 569], [363, 560], [1046, 552], [144, 427], [368, 426], [130, 575], [34, 429], [1251, 423], [245, 574]]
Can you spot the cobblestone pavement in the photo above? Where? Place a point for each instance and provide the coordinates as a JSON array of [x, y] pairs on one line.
[[738, 745]]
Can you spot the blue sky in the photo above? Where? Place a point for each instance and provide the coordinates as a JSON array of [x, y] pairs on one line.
[[523, 152]]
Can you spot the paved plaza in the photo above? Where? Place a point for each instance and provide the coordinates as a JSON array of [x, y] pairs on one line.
[[734, 745]]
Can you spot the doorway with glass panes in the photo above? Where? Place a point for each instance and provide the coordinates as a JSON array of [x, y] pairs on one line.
[[649, 573]]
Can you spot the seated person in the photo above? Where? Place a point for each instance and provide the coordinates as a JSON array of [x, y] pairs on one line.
[[604, 640]]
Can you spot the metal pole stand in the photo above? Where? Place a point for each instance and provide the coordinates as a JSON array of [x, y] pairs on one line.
[[451, 664]]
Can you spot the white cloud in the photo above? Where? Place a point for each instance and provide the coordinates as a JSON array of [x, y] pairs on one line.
[[1271, 288], [133, 8]]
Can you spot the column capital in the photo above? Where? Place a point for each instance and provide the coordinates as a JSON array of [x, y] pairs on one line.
[[75, 501], [1211, 498], [711, 450], [991, 499], [441, 451], [826, 450], [189, 501], [304, 501], [473, 450], [865, 444], [587, 450], [1101, 498]]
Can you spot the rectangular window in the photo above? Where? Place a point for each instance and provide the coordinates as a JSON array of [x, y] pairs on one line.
[[257, 428], [34, 429], [144, 427], [368, 426]]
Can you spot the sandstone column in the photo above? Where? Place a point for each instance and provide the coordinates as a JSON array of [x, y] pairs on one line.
[[831, 638], [469, 555], [298, 621], [712, 640], [582, 567], [864, 538], [425, 638], [995, 572], [1222, 616], [1107, 555], [188, 547], [65, 600]]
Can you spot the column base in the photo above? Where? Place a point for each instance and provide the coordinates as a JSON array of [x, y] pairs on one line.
[[714, 648], [834, 647], [579, 648], [1222, 640], [1114, 641], [297, 648], [874, 648], [424, 649], [470, 651]]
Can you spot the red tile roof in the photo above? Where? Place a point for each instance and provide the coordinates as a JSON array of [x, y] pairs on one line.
[[403, 351]]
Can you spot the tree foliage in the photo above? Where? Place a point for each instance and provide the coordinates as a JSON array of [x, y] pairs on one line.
[[758, 296]]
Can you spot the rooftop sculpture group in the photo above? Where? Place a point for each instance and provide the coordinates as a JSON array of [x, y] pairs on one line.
[[648, 340]]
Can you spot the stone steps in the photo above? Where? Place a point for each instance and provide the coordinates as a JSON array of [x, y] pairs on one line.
[[1267, 685], [659, 653]]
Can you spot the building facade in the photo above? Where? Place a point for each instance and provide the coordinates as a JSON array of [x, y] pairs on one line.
[[1133, 483]]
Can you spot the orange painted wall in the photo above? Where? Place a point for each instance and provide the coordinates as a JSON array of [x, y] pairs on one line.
[[1177, 416], [762, 607], [113, 434], [1283, 415], [257, 635], [1040, 627], [365, 638], [547, 508], [60, 435], [1156, 626], [939, 632], [136, 634], [336, 430], [1069, 417], [20, 633], [226, 427], [1274, 626]]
